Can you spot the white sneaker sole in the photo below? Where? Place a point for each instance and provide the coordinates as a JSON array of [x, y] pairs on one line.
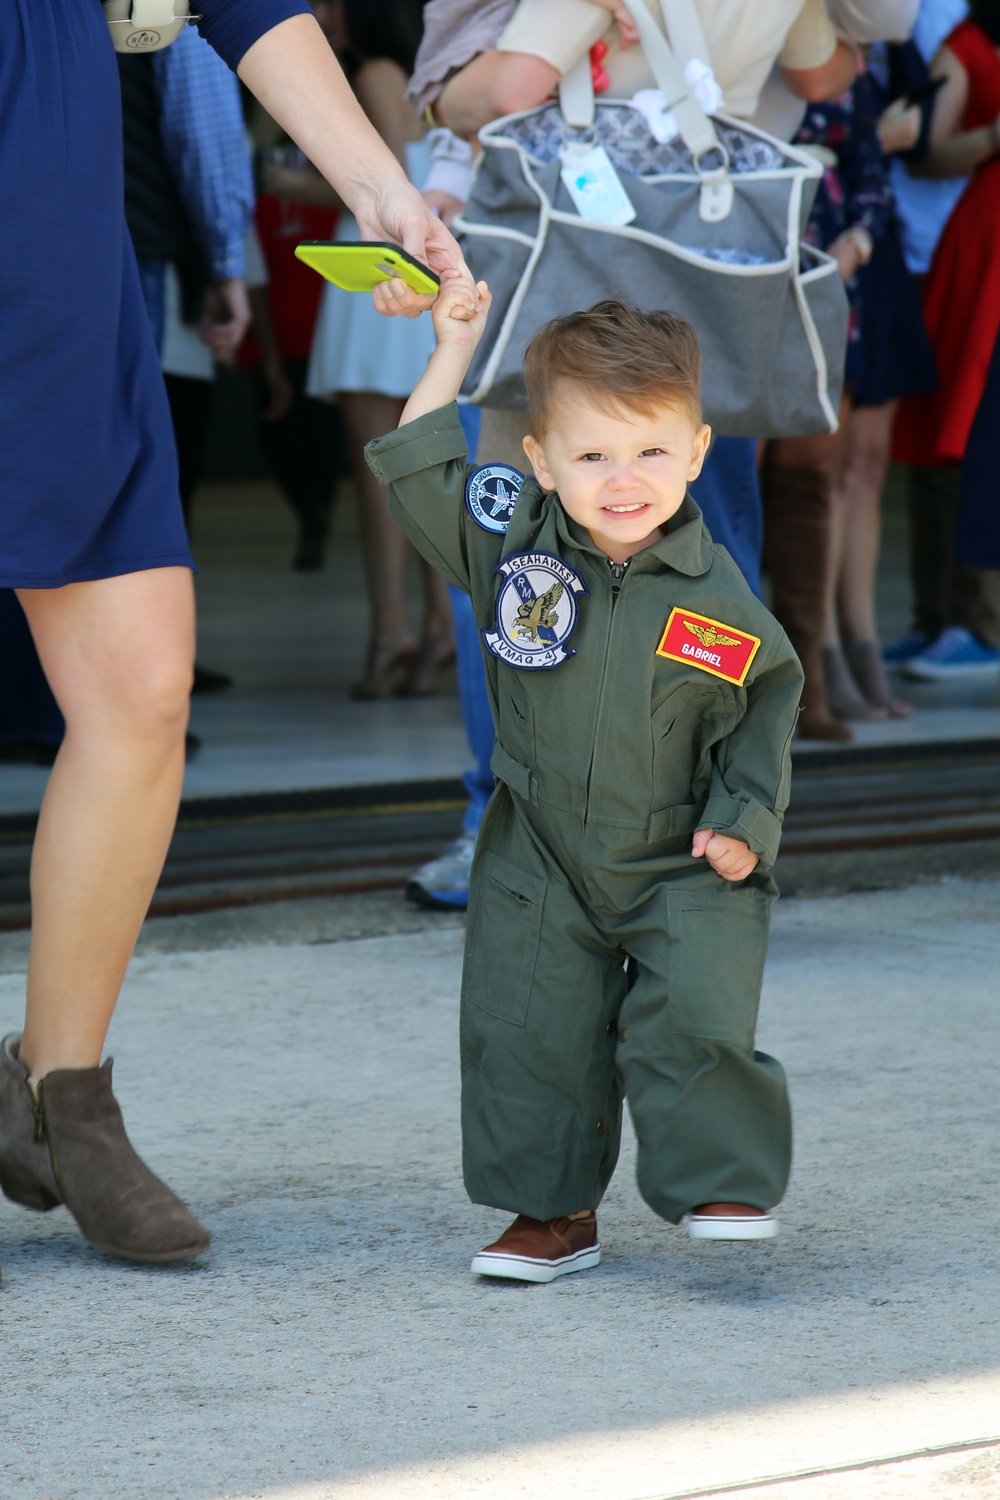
[[732, 1226], [526, 1268], [918, 671]]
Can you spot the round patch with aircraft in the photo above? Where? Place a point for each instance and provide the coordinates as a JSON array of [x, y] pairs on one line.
[[536, 611], [491, 493]]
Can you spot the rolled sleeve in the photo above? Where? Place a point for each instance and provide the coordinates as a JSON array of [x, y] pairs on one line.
[[232, 26], [811, 40], [874, 20], [751, 778], [560, 32]]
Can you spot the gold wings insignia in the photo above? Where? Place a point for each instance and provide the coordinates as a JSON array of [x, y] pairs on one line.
[[709, 636]]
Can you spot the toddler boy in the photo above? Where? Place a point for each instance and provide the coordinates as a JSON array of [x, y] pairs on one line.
[[644, 701]]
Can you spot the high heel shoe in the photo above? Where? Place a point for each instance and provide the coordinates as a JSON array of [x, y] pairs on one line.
[[843, 693], [436, 655], [390, 663], [864, 658]]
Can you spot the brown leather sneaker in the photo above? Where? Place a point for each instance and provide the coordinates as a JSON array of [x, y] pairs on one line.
[[533, 1250]]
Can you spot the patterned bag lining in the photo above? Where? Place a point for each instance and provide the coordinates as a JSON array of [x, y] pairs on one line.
[[631, 145]]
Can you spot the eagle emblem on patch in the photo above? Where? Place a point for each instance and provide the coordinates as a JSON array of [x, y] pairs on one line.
[[698, 641], [536, 611], [491, 493]]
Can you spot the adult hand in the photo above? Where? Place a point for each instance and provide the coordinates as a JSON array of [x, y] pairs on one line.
[[730, 858], [279, 390], [851, 250], [398, 213], [899, 127], [225, 318]]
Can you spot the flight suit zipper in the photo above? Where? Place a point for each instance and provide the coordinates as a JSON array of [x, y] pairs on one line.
[[617, 571]]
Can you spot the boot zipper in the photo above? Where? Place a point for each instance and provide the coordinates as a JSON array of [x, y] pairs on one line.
[[39, 1110]]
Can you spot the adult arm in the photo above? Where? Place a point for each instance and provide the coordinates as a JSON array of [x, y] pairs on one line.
[[955, 151], [814, 63], [287, 63], [201, 125], [493, 84]]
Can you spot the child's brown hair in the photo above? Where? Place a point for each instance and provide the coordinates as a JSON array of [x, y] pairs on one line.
[[616, 354]]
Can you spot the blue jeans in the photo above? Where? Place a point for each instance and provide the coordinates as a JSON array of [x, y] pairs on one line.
[[729, 496], [475, 702]]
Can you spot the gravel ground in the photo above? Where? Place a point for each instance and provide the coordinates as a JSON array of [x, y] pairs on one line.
[[303, 1097]]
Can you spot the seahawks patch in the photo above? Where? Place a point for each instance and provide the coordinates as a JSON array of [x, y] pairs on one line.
[[491, 493], [536, 611]]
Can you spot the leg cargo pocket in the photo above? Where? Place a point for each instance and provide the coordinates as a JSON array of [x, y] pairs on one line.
[[718, 944], [501, 950]]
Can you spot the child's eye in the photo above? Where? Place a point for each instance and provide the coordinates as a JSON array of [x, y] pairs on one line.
[[651, 452], [591, 458]]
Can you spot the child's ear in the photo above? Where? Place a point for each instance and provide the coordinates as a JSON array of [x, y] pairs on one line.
[[536, 458], [702, 438]]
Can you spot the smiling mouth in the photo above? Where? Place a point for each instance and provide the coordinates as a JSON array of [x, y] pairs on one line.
[[625, 510]]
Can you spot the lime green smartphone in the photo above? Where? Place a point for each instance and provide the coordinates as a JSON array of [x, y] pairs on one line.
[[359, 265]]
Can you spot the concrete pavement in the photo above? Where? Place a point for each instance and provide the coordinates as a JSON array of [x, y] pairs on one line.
[[303, 1097]]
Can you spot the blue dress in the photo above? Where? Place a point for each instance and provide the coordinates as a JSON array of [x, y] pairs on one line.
[[88, 470]]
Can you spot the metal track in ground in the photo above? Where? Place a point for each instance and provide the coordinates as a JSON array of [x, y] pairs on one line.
[[853, 818]]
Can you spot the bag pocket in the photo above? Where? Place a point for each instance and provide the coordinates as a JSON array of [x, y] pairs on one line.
[[501, 949], [715, 966]]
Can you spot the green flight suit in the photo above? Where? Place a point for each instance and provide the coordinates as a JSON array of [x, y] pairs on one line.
[[601, 958]]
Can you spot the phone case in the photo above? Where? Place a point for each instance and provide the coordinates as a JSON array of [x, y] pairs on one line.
[[357, 266]]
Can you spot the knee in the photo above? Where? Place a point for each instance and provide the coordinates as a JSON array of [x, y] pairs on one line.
[[147, 700], [159, 699]]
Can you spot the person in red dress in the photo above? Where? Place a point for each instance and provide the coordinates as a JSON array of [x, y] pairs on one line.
[[962, 295], [962, 309]]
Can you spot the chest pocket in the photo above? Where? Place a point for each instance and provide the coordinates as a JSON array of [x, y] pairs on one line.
[[516, 729], [685, 726]]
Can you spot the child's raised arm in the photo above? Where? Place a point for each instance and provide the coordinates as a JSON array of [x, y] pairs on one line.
[[459, 315]]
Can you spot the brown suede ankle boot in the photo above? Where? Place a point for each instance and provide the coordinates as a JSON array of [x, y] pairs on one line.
[[63, 1140], [797, 560]]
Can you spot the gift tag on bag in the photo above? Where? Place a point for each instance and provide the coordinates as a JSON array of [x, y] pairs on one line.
[[594, 186]]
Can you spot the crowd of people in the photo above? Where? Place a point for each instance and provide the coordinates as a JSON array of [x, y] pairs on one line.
[[899, 102]]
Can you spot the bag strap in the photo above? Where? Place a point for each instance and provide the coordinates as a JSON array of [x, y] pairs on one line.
[[684, 28], [576, 88], [576, 100]]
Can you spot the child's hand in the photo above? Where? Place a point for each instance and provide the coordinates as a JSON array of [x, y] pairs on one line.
[[730, 858], [460, 309]]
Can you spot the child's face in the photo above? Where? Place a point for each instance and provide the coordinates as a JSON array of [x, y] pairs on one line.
[[621, 476]]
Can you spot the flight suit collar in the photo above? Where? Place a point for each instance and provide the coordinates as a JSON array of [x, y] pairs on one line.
[[687, 547]]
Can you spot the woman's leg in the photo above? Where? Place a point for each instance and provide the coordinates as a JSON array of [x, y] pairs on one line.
[[367, 415], [867, 448], [118, 654], [864, 463]]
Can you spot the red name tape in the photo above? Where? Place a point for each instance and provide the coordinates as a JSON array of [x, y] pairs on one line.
[[709, 645]]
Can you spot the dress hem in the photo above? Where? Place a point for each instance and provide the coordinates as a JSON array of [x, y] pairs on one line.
[[91, 574]]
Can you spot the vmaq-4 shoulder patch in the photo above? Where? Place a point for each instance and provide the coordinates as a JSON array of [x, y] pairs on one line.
[[536, 611]]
